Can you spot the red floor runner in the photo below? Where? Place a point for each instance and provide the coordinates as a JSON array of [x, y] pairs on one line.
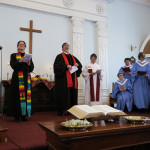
[[28, 134]]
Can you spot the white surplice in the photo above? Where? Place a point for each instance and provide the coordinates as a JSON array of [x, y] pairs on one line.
[[86, 76]]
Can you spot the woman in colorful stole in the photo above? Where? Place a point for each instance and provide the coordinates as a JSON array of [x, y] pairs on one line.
[[92, 75], [21, 84], [140, 76], [123, 92]]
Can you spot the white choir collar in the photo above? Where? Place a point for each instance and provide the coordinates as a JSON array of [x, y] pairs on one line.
[[122, 82], [66, 53], [142, 63], [90, 64], [130, 66]]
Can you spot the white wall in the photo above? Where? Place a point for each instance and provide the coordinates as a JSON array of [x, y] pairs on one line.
[[69, 25], [128, 23], [88, 41], [46, 45]]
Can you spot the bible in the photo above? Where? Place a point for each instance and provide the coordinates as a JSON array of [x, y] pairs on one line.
[[122, 87], [98, 71], [27, 57], [96, 111]]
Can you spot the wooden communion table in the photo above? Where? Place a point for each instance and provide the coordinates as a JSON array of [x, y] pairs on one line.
[[103, 135]]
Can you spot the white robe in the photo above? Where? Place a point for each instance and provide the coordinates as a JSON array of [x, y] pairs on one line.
[[86, 76]]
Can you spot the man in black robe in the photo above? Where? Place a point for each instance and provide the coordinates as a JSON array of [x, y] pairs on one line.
[[66, 89], [14, 108]]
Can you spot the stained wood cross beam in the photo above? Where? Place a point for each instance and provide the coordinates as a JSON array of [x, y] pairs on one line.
[[30, 30]]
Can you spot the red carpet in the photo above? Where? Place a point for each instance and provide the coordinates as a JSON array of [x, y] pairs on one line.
[[28, 134]]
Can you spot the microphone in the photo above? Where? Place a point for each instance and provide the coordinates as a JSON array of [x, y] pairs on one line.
[[1, 47]]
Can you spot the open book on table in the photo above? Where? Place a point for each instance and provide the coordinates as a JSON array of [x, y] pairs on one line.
[[85, 111]]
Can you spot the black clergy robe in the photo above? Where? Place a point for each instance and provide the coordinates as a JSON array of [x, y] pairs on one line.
[[14, 108], [65, 97]]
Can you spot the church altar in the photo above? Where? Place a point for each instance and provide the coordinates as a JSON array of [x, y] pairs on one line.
[[47, 83], [103, 135], [42, 94]]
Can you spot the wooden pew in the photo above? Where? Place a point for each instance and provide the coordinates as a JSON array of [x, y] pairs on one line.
[[3, 135], [3, 131], [112, 101]]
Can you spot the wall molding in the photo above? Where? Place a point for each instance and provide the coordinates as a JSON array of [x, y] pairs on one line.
[[103, 60], [145, 2], [77, 15], [60, 9], [77, 42]]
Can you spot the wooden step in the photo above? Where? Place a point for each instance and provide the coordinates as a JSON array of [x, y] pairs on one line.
[[3, 135]]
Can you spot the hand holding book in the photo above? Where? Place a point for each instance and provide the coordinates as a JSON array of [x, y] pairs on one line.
[[141, 73], [126, 70], [98, 71], [27, 57], [122, 88]]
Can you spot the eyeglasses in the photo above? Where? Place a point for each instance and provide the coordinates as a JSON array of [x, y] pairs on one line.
[[21, 44]]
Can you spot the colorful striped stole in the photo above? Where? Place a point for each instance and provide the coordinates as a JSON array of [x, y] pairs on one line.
[[23, 99]]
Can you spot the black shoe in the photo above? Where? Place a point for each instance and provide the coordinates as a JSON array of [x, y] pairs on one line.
[[17, 119], [24, 118], [60, 113], [146, 111], [141, 111], [66, 113]]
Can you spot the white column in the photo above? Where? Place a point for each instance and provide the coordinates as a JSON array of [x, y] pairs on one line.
[[77, 50], [101, 28]]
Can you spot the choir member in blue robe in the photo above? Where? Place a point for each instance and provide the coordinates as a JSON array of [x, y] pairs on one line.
[[126, 74], [123, 92], [140, 76]]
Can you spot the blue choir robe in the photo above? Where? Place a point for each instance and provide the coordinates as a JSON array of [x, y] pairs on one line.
[[124, 98], [141, 93], [126, 75]]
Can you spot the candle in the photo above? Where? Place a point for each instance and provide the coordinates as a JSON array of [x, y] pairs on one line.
[[50, 73]]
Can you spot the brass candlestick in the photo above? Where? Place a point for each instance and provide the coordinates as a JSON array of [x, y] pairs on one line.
[[132, 47], [7, 76]]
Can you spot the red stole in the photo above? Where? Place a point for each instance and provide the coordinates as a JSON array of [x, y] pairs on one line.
[[92, 87], [68, 74]]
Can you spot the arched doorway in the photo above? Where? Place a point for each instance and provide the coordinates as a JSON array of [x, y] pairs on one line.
[[146, 48]]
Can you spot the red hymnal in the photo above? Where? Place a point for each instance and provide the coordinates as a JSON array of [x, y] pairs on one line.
[[90, 70], [126, 69]]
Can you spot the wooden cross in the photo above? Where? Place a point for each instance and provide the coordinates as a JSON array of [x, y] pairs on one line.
[[30, 30]]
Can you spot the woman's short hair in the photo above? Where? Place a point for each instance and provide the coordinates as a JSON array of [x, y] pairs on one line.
[[119, 74], [141, 54], [127, 59], [21, 41], [93, 55]]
